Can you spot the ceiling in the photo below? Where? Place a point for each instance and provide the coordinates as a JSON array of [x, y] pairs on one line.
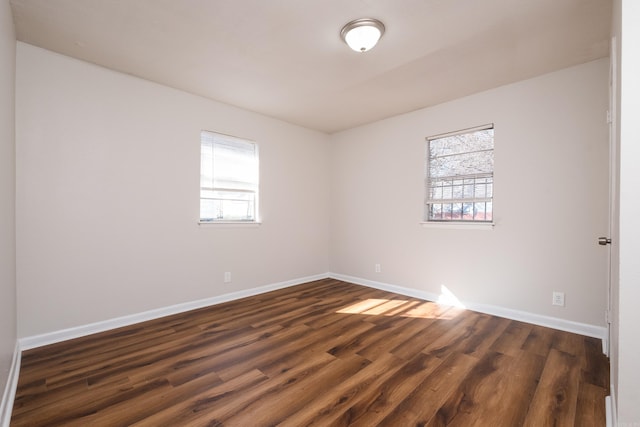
[[285, 58]]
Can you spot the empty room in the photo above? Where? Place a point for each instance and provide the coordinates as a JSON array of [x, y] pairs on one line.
[[331, 213]]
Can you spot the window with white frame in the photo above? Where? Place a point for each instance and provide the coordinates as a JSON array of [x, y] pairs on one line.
[[459, 176], [228, 178]]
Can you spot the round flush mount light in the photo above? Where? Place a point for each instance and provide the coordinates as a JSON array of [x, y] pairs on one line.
[[362, 34]]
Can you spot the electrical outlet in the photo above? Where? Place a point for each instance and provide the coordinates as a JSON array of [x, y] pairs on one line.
[[377, 268], [227, 277], [558, 299]]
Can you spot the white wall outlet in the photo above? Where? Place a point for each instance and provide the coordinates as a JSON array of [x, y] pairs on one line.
[[227, 277], [558, 299], [377, 268]]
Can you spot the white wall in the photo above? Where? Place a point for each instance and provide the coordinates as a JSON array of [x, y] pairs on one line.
[[7, 192], [107, 197], [551, 149], [627, 360]]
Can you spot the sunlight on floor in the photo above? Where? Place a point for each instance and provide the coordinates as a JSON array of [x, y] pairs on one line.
[[448, 298], [447, 307]]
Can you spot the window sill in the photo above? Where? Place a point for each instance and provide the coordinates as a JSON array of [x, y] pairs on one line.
[[459, 225], [229, 224]]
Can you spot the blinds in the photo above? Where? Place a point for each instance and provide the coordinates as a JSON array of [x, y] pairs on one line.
[[228, 178], [462, 154]]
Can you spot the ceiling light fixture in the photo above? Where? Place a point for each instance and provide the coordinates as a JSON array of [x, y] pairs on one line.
[[362, 34]]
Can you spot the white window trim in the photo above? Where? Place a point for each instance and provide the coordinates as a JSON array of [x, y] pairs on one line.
[[229, 224], [459, 225]]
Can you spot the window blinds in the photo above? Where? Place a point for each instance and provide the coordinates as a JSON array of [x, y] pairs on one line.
[[228, 178]]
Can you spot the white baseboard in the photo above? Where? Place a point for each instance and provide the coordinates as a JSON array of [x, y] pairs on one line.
[[9, 394], [523, 316], [609, 410], [27, 343]]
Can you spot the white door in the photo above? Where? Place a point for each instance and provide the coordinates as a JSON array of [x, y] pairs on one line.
[[611, 240]]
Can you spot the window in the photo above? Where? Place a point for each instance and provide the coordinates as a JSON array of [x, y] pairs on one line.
[[228, 178], [459, 178]]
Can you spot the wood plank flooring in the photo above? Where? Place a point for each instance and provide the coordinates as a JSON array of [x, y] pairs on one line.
[[326, 353]]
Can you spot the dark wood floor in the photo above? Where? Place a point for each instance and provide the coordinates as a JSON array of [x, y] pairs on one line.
[[326, 353]]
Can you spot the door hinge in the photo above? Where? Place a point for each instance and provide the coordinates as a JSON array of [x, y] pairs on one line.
[[609, 117], [607, 316]]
